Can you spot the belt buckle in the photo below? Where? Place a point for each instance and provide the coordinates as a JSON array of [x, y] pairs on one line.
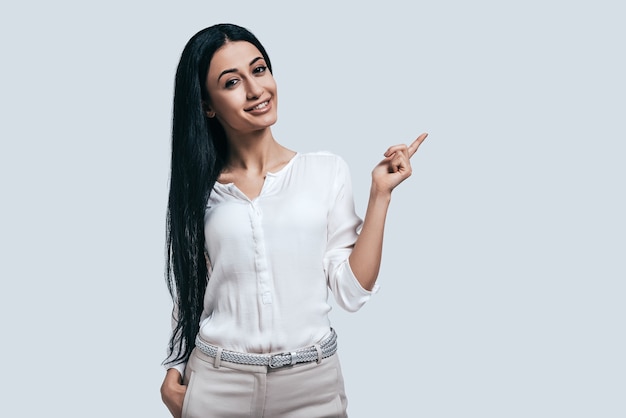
[[273, 365]]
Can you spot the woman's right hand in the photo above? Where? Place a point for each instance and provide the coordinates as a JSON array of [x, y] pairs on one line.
[[173, 392]]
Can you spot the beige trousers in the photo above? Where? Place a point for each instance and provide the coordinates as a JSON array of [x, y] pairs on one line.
[[306, 390]]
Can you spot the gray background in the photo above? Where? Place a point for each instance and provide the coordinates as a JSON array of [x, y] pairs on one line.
[[502, 289]]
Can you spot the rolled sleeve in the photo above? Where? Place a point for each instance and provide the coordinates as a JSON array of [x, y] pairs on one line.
[[344, 226], [168, 363]]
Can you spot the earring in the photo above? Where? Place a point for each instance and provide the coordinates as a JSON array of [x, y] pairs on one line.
[[210, 114]]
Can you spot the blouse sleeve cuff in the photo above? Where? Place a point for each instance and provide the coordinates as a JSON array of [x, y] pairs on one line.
[[180, 367], [349, 294]]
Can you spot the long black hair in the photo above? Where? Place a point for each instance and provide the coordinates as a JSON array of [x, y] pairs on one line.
[[199, 152]]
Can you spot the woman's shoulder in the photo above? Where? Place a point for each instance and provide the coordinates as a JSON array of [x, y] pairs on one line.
[[321, 167], [323, 158]]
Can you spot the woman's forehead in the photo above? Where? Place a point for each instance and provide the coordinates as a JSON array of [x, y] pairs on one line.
[[233, 55]]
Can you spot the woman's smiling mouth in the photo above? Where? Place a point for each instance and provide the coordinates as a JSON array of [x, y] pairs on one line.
[[260, 106]]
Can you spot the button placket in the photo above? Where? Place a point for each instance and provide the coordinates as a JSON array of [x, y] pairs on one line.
[[260, 257]]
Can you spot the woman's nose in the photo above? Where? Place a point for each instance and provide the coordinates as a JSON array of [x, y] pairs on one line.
[[255, 89]]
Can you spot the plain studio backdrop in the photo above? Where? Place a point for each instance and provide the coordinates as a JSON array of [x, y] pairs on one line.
[[503, 279]]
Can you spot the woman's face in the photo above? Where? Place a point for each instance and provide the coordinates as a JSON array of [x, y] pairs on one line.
[[242, 90]]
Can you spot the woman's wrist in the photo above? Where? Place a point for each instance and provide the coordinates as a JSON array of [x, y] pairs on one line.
[[172, 377], [379, 196]]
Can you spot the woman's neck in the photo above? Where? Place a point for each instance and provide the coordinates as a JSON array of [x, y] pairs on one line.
[[256, 153]]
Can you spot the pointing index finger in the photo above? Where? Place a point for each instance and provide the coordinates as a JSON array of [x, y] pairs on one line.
[[416, 144]]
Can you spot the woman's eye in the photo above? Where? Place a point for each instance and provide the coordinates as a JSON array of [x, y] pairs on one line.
[[231, 83], [260, 69]]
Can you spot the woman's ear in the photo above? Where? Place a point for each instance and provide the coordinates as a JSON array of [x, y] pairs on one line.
[[207, 110]]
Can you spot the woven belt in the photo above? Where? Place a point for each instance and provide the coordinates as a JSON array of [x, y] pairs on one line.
[[317, 352]]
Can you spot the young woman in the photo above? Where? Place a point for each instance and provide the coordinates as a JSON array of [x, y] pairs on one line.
[[257, 234]]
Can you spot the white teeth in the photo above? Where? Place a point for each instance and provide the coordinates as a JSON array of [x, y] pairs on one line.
[[260, 106]]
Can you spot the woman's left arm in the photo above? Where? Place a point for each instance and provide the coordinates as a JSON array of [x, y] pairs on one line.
[[367, 253]]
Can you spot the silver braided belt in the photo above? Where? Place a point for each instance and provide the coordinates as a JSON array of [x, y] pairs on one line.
[[325, 348]]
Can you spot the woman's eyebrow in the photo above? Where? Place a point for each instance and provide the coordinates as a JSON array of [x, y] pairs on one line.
[[234, 70], [255, 60], [230, 70]]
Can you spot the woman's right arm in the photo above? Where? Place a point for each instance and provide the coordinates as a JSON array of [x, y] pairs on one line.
[[173, 392]]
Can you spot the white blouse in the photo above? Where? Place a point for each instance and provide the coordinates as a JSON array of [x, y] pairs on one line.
[[273, 258]]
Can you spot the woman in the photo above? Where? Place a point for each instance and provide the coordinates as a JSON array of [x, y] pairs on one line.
[[257, 234]]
